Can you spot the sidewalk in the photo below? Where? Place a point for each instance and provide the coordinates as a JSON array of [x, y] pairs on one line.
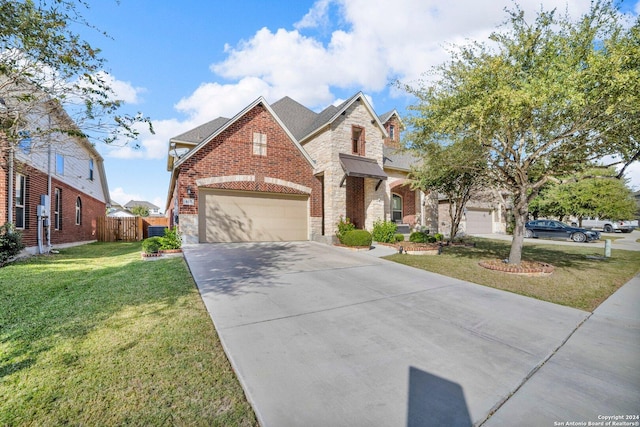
[[596, 373]]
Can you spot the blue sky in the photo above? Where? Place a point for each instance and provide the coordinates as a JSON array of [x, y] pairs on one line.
[[185, 63]]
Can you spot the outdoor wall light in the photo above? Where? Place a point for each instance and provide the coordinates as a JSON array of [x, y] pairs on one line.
[[189, 193]]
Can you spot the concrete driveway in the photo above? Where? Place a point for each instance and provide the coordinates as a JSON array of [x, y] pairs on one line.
[[322, 336]]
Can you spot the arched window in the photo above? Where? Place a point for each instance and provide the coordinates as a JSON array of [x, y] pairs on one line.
[[78, 211], [396, 208]]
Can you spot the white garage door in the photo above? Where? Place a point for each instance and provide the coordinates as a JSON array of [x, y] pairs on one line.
[[479, 222], [243, 216]]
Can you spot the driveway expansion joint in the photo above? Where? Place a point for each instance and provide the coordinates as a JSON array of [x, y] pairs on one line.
[[533, 371]]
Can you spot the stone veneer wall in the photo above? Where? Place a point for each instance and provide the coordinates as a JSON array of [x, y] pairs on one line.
[[325, 148]]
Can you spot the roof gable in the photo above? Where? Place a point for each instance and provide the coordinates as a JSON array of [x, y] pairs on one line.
[[198, 134], [331, 113], [228, 123]]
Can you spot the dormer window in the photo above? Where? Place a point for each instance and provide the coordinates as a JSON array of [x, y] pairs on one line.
[[357, 140], [392, 132]]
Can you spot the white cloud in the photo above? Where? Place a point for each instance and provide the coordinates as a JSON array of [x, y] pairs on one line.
[[122, 197], [152, 146], [124, 91]]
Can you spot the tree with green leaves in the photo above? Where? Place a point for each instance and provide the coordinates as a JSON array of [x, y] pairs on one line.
[[455, 170], [543, 100], [598, 195], [142, 211], [47, 69]]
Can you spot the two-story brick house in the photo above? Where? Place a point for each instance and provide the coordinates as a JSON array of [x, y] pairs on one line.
[[283, 172], [66, 168]]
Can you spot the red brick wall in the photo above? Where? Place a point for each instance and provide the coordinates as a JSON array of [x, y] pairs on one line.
[[355, 201], [395, 142], [4, 174], [69, 232], [231, 153], [408, 203]]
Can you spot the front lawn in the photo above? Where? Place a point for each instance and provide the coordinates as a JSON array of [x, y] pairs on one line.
[[578, 280], [97, 336]]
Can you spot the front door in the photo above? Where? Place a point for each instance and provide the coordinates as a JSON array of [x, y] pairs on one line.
[[396, 208]]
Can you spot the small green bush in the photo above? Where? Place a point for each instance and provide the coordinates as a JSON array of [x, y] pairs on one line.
[[10, 242], [152, 245], [344, 226], [171, 239], [399, 237], [384, 231], [418, 237], [357, 238], [439, 237]]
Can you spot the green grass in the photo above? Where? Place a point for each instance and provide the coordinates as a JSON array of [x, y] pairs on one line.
[[577, 281], [97, 336]]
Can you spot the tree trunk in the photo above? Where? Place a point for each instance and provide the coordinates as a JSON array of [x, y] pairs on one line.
[[521, 214]]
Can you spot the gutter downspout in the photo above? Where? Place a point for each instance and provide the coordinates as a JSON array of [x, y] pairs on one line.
[[49, 194], [10, 186]]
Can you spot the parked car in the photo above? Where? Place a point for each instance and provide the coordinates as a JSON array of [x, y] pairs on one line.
[[607, 225], [550, 229]]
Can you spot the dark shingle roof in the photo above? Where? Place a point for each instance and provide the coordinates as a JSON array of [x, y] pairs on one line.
[[397, 159], [200, 133], [386, 116], [295, 116]]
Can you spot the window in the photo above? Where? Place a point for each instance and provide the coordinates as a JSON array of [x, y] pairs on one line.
[[396, 208], [59, 164], [91, 169], [357, 140], [25, 143], [392, 132], [57, 209], [259, 144], [78, 211], [21, 196]]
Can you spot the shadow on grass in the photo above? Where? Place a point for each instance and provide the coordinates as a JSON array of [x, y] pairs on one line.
[[558, 256], [69, 294]]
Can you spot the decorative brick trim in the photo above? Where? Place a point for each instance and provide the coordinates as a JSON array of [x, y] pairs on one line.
[[289, 184], [223, 179]]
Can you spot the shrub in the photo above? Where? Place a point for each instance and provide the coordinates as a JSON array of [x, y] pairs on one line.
[[152, 245], [439, 237], [418, 237], [171, 239], [384, 231], [399, 237], [344, 226], [357, 238], [10, 242]]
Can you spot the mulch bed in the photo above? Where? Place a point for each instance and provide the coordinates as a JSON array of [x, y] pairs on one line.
[[530, 268]]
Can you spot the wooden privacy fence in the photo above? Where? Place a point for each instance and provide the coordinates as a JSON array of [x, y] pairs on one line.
[[115, 229], [126, 229]]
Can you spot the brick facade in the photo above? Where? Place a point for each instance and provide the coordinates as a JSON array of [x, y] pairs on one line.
[[228, 162], [36, 185]]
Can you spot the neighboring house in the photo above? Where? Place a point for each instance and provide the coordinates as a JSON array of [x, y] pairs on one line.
[[119, 213], [153, 209], [66, 168], [281, 171]]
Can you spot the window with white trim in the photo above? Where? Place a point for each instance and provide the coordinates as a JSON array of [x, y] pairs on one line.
[[392, 132], [25, 141], [59, 164], [259, 144], [78, 211], [57, 209], [91, 169], [21, 196]]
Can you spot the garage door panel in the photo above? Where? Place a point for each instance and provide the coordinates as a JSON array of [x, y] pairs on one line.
[[252, 217], [479, 222]]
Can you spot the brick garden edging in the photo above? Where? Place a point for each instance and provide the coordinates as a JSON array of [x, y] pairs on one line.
[[527, 268]]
